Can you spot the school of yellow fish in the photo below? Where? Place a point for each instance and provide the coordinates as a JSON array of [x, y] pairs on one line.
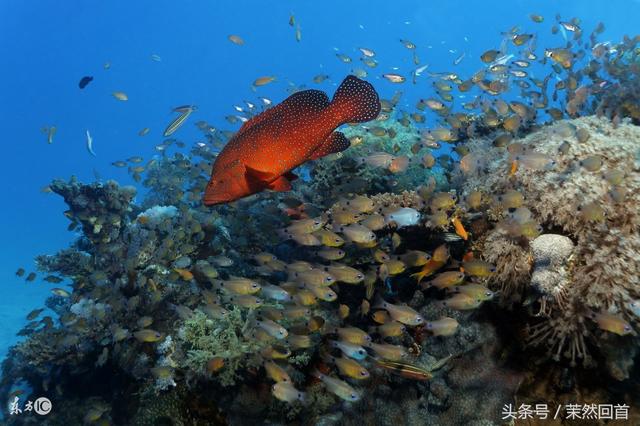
[[355, 249]]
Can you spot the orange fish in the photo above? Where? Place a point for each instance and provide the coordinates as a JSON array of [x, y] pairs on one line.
[[459, 228], [268, 146], [514, 167]]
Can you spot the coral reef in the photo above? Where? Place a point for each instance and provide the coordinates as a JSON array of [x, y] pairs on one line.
[[392, 285], [589, 206]]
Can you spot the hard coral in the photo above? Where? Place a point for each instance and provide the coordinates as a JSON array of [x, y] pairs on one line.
[[590, 196]]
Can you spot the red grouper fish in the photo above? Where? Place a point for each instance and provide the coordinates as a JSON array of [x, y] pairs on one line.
[[268, 146]]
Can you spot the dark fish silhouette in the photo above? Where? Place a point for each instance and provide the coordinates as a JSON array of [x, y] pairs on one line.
[[84, 81]]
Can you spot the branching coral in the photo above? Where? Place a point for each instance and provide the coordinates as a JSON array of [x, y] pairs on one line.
[[228, 338]]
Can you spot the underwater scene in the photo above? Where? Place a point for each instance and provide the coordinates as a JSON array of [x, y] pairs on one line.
[[320, 213]]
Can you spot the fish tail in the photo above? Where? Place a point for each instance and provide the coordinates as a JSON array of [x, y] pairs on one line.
[[355, 101]]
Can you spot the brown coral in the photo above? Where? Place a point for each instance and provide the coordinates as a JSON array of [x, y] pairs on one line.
[[604, 270]]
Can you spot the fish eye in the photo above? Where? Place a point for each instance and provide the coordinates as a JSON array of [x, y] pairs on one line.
[[364, 373], [419, 319], [359, 276], [354, 396], [360, 351]]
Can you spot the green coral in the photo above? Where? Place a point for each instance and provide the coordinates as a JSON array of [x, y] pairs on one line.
[[203, 339]]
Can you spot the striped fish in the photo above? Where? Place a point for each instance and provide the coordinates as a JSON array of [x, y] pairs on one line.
[[185, 111], [404, 370]]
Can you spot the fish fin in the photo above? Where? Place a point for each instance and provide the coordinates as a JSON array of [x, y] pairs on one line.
[[254, 175], [355, 101], [281, 184], [336, 142]]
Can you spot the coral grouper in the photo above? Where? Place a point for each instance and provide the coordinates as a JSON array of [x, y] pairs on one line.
[[267, 147]]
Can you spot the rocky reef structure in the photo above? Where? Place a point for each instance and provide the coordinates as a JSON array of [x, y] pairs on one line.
[[392, 285], [584, 275]]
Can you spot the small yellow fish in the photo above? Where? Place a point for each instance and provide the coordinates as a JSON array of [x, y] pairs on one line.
[[57, 291], [261, 81], [239, 285], [338, 387], [185, 274], [147, 335], [276, 352], [246, 301], [592, 212], [215, 364], [461, 302], [162, 372], [374, 222], [442, 327], [592, 163], [286, 392], [321, 292], [273, 328], [415, 258], [276, 372], [475, 291], [343, 311], [401, 313], [235, 39], [536, 18], [489, 56], [358, 233], [394, 78], [389, 352], [353, 335], [391, 268], [330, 253], [297, 341], [389, 329], [350, 368], [511, 199], [345, 274], [478, 268], [360, 204], [329, 238], [612, 323], [307, 297], [121, 96], [614, 177], [316, 277], [446, 279], [305, 226]]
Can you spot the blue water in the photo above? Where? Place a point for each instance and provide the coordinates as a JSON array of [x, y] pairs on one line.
[[48, 45]]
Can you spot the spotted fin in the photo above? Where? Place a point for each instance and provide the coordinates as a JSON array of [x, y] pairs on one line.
[[355, 101], [336, 142]]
